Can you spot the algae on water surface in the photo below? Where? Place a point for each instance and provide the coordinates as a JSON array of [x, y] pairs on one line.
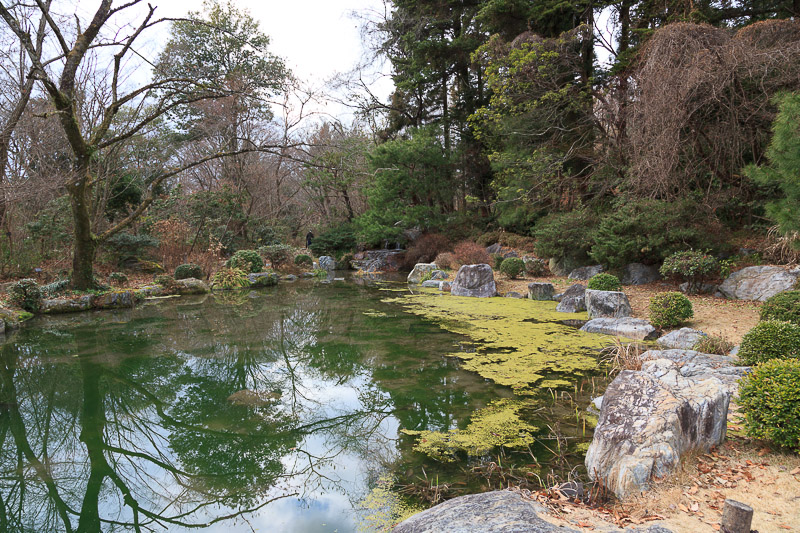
[[522, 344]]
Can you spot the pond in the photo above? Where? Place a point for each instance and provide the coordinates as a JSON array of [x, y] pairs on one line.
[[280, 410]]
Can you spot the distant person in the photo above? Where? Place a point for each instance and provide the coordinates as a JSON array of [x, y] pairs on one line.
[[309, 238]]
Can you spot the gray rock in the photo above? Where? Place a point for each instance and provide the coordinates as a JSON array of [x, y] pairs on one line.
[[379, 260], [512, 253], [698, 365], [704, 288], [438, 275], [474, 280], [628, 327], [758, 282], [639, 274], [489, 512], [308, 275], [682, 339], [584, 273], [735, 351], [327, 262], [607, 304], [114, 300], [573, 300], [150, 291], [290, 277], [2, 327], [562, 267], [445, 286], [540, 291], [513, 294], [11, 319], [420, 271], [648, 419], [494, 248], [58, 306], [191, 286], [431, 283]]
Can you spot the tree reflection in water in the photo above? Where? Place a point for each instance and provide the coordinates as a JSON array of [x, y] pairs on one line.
[[123, 422]]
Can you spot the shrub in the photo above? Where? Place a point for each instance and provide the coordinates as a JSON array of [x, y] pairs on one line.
[[277, 254], [303, 260], [26, 295], [715, 344], [165, 280], [426, 248], [269, 280], [691, 266], [334, 241], [768, 340], [784, 306], [770, 401], [566, 235], [189, 270], [497, 260], [57, 287], [124, 245], [118, 278], [230, 278], [446, 261], [512, 267], [345, 262], [246, 260], [470, 253], [604, 282], [647, 231], [669, 309], [535, 267]]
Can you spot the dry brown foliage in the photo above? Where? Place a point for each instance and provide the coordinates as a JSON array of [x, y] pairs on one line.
[[471, 253], [623, 356], [426, 248], [446, 261], [174, 242], [701, 108]]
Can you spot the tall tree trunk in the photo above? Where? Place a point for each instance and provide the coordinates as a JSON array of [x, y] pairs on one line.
[[85, 241]]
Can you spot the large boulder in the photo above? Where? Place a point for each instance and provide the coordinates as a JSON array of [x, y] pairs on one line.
[[628, 327], [115, 300], [438, 275], [263, 279], [12, 319], [474, 280], [573, 300], [586, 272], [494, 248], [191, 286], [540, 291], [607, 304], [562, 267], [639, 274], [649, 419], [420, 271], [682, 339], [66, 305], [379, 260], [693, 364], [490, 512], [759, 282], [327, 262]]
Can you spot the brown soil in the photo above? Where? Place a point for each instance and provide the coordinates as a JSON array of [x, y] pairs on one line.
[[716, 316]]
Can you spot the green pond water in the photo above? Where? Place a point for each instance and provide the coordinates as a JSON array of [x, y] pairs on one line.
[[272, 411]]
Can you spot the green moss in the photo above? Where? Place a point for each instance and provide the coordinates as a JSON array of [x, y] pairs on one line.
[[498, 425], [22, 316], [519, 343]]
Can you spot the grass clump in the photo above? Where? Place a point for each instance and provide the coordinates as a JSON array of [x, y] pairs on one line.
[[512, 267], [771, 339], [713, 344], [604, 282], [784, 306], [670, 309], [230, 278], [770, 400]]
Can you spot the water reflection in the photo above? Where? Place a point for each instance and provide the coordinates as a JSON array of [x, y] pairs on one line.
[[269, 411]]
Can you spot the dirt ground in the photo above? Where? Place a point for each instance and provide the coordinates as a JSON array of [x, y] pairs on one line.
[[716, 316]]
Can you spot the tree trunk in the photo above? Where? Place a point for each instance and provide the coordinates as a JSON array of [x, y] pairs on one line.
[[85, 241]]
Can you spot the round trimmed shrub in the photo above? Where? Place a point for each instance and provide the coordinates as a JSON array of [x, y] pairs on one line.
[[247, 261], [769, 398], [189, 270], [26, 295], [771, 339], [303, 259], [691, 266], [670, 309], [604, 282], [497, 261], [277, 254], [784, 306], [512, 267]]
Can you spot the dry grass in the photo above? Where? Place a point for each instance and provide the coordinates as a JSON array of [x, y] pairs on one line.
[[624, 356]]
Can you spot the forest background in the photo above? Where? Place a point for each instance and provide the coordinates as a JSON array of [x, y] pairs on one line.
[[504, 126]]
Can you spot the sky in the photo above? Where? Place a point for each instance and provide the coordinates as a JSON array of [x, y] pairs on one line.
[[316, 38]]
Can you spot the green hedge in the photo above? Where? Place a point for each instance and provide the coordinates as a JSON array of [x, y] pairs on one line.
[[771, 339], [769, 398]]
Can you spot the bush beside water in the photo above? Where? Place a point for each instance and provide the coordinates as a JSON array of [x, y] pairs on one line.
[[189, 270]]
